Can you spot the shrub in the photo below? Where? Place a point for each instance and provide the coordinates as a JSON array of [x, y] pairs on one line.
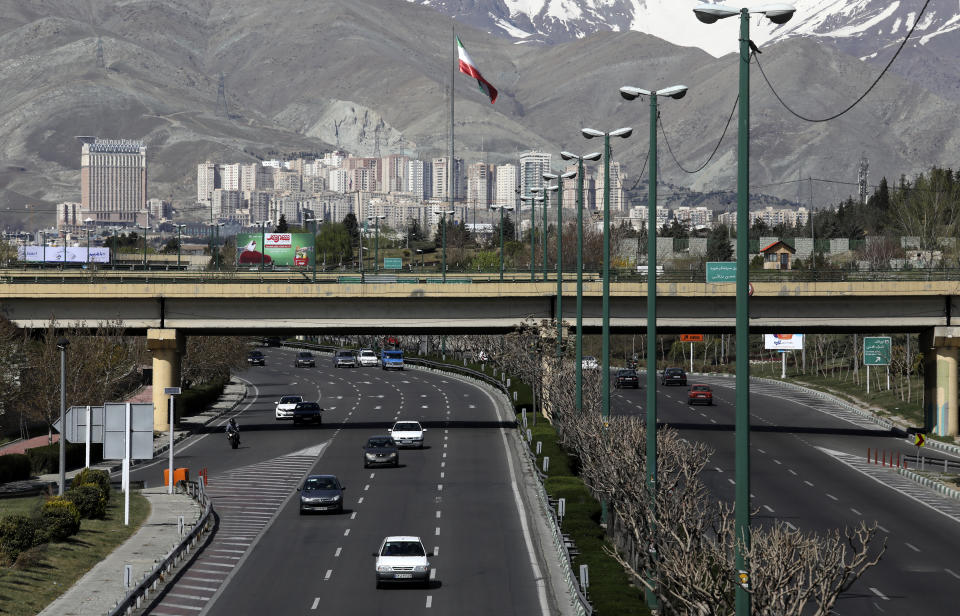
[[60, 518], [18, 533], [95, 477], [46, 459], [197, 399], [89, 500], [14, 467]]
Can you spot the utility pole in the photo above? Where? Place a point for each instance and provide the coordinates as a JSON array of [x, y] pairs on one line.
[[222, 97]]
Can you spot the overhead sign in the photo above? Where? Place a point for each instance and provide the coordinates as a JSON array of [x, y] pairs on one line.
[[691, 337], [59, 254], [392, 263], [76, 424], [283, 249], [783, 342], [721, 271], [876, 351], [919, 440], [141, 431]]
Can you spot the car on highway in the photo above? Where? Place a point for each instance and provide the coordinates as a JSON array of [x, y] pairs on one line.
[[307, 412], [700, 394], [345, 358], [380, 450], [407, 433], [589, 362], [368, 358], [673, 376], [321, 493], [305, 359], [402, 558], [272, 341], [627, 378], [256, 358], [286, 404]]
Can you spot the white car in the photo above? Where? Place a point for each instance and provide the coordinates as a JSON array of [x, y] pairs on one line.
[[590, 362], [286, 404], [402, 559], [368, 358], [407, 433]]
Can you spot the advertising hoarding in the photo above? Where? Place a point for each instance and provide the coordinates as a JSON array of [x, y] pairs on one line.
[[59, 254], [783, 342], [281, 249]]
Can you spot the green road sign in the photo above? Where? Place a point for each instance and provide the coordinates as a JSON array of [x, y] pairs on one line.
[[876, 351], [721, 271], [392, 263]]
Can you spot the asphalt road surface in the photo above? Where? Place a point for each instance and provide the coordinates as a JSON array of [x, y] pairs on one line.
[[809, 469], [456, 494]]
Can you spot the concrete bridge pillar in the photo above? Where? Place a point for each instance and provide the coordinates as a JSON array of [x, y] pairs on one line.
[[167, 347], [941, 351]]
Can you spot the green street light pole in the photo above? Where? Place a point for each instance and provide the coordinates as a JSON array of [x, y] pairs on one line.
[[179, 244], [313, 222], [559, 189], [144, 246], [578, 366], [631, 93], [263, 235], [501, 208], [778, 14], [543, 240], [443, 226], [532, 200]]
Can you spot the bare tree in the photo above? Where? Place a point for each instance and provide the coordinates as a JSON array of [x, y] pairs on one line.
[[210, 359]]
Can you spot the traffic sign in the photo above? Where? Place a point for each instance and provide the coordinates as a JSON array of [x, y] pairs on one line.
[[76, 424], [141, 431], [876, 351], [392, 263], [691, 337], [919, 439], [721, 271]]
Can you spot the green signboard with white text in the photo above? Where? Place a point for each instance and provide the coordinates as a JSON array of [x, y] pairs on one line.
[[721, 271], [392, 263], [876, 351], [282, 249]]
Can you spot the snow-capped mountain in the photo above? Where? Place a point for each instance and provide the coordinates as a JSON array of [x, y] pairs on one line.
[[868, 26]]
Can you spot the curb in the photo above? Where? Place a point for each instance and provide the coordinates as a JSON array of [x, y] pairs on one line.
[[930, 483]]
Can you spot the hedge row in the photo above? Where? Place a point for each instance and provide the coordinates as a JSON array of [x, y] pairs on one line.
[[58, 519], [197, 399], [46, 459], [14, 467]]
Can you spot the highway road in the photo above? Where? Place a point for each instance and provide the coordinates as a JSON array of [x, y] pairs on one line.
[[809, 470], [456, 494]]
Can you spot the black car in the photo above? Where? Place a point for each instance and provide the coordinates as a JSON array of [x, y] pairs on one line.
[[271, 341], [256, 358], [627, 378], [380, 450], [673, 376], [307, 412], [321, 493], [305, 359]]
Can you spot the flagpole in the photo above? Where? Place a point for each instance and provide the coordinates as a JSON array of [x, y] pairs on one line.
[[453, 76]]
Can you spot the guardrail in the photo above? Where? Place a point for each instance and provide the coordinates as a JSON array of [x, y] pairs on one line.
[[136, 598]]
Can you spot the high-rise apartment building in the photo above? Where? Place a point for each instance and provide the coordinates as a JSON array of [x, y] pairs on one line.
[[441, 181], [113, 179], [420, 179], [395, 173], [618, 203], [479, 184], [208, 179], [506, 182], [230, 176], [533, 165]]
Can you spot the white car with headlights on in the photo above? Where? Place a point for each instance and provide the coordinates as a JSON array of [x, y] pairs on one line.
[[402, 559], [407, 433]]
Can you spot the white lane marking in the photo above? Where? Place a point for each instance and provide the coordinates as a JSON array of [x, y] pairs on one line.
[[791, 526], [360, 501], [831, 496], [808, 483], [438, 515], [353, 516], [337, 553], [444, 454], [719, 470], [346, 532], [761, 451], [436, 533], [446, 431], [777, 461], [911, 546], [439, 487], [316, 602], [443, 464], [952, 573], [436, 550], [768, 508], [713, 420], [433, 574], [429, 600], [442, 474], [326, 576], [445, 445], [879, 594], [792, 472], [366, 487], [372, 475], [883, 529], [855, 511], [732, 482]]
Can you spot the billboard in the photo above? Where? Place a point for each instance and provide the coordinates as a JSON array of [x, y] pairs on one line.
[[783, 342], [281, 249], [59, 254]]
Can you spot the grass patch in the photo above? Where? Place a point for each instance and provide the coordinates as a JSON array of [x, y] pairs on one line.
[[883, 402], [28, 590], [23, 505]]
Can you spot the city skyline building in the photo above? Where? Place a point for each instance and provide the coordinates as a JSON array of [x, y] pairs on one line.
[[113, 179]]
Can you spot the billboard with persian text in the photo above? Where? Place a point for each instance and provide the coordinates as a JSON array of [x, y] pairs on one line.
[[279, 249]]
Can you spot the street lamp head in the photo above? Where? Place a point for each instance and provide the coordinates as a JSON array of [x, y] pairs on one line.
[[550, 176], [451, 212], [551, 188], [569, 175], [592, 156], [590, 133], [624, 132], [674, 92], [62, 343], [568, 155], [778, 13], [630, 93], [508, 208], [710, 13], [535, 189]]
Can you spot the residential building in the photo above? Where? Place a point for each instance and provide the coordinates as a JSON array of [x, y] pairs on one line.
[[224, 203], [420, 179], [506, 183], [208, 179], [479, 185], [533, 165], [230, 176], [70, 216], [113, 179], [617, 200]]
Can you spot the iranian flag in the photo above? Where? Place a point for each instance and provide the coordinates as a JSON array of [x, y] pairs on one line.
[[469, 68]]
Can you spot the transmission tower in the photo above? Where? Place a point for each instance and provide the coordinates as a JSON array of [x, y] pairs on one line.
[[100, 62], [376, 139], [862, 177], [222, 98]]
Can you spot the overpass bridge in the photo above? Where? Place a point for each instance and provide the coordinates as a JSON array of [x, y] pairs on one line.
[[167, 306]]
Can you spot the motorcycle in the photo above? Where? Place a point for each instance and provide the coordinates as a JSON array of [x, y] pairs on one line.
[[234, 437]]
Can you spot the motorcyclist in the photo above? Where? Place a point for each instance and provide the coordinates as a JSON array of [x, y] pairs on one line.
[[233, 427]]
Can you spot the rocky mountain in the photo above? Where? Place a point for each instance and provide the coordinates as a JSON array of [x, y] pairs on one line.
[[309, 76]]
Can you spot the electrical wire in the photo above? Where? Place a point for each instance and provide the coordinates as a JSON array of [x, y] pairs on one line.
[[854, 103], [712, 154], [642, 170]]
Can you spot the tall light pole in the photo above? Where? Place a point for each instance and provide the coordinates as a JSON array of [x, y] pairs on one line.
[[263, 235], [313, 221], [376, 247], [559, 188], [532, 200], [578, 366], [501, 208], [443, 227], [630, 93], [43, 241], [778, 14], [590, 133], [86, 226], [216, 230], [62, 344], [546, 203], [179, 243], [145, 228]]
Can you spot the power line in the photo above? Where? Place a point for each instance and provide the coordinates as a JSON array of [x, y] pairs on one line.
[[712, 154], [854, 103]]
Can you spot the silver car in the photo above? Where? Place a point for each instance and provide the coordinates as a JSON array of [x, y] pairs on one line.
[[345, 358], [321, 493]]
